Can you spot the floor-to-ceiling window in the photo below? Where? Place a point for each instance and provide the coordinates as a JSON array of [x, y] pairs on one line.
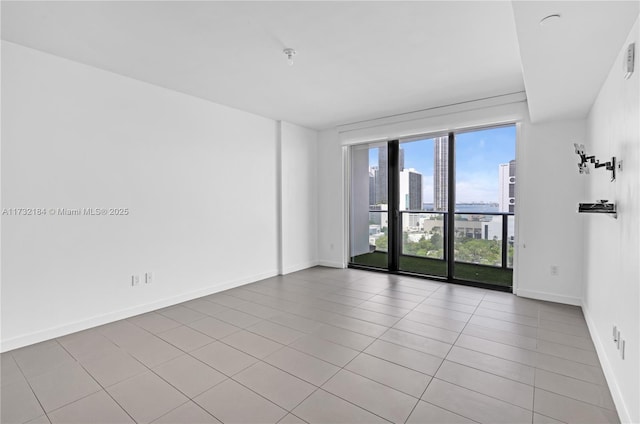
[[423, 205], [485, 204], [369, 220], [441, 205]]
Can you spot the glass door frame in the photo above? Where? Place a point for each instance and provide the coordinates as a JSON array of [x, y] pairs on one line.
[[394, 228]]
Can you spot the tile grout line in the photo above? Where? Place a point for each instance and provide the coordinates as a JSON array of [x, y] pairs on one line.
[[378, 338], [362, 352], [228, 377], [440, 366], [29, 384], [259, 360], [149, 369], [351, 307], [489, 372], [104, 389], [537, 341], [530, 366]]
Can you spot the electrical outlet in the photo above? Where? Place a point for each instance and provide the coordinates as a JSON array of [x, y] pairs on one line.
[[622, 346], [628, 60], [615, 333], [135, 280], [148, 277], [618, 340], [554, 269]]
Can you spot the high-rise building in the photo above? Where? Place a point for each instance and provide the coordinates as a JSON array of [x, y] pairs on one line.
[[507, 185], [381, 176], [372, 185], [382, 218], [410, 190], [440, 173]]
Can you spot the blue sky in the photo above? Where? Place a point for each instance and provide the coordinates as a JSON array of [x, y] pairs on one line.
[[478, 155]]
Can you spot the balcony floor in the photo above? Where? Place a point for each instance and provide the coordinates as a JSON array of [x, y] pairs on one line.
[[436, 267]]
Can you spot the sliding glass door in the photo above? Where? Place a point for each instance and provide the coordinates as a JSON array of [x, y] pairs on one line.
[[440, 206], [484, 223], [423, 205], [369, 220]]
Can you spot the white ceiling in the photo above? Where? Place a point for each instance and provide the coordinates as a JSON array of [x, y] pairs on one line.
[[355, 61], [565, 62]]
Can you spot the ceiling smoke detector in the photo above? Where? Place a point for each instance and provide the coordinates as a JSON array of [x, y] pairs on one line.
[[289, 52]]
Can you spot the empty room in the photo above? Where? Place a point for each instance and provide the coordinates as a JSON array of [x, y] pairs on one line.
[[320, 212]]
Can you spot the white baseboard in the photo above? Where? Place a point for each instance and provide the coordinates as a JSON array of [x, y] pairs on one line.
[[299, 267], [331, 264], [609, 375], [59, 331], [549, 297]]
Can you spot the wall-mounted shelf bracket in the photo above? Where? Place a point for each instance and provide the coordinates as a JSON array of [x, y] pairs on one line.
[[600, 207]]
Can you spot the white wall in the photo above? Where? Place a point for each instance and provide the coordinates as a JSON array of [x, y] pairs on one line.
[[299, 197], [612, 251], [199, 179], [549, 189], [331, 201]]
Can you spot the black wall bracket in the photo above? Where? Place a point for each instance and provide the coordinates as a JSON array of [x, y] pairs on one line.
[[586, 159], [600, 207]]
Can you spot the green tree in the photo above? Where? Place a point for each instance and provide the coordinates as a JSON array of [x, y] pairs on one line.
[[478, 251], [382, 242], [436, 240]]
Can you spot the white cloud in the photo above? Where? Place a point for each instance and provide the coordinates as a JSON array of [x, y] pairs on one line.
[[477, 187]]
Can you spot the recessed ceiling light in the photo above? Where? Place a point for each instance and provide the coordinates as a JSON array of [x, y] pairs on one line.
[[547, 20]]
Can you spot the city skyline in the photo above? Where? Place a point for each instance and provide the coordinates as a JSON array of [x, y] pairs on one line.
[[478, 157]]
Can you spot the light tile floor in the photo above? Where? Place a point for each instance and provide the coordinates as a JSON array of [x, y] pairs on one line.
[[320, 346]]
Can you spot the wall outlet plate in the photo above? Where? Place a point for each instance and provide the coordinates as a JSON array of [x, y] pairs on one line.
[[135, 280], [148, 277], [628, 61]]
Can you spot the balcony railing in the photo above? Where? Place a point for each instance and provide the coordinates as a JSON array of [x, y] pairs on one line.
[[482, 244], [492, 230]]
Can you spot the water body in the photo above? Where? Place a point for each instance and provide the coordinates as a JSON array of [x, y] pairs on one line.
[[469, 207]]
